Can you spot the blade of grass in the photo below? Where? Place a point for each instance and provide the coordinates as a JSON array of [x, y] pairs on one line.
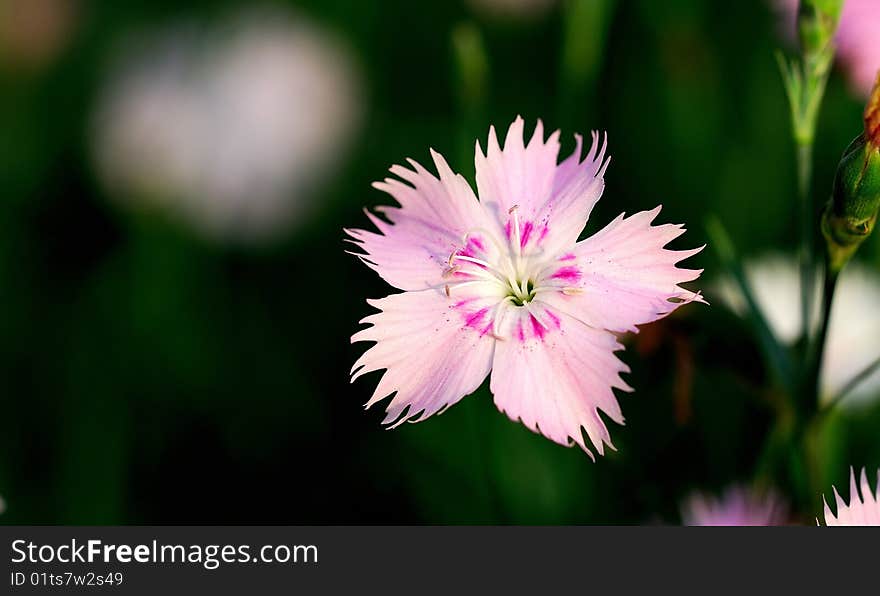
[[776, 355]]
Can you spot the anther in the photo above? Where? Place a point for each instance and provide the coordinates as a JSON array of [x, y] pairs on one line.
[[452, 270]]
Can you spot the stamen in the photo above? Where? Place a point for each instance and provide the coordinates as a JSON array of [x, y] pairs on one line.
[[452, 270], [484, 274], [567, 290], [481, 262], [455, 286], [517, 238]]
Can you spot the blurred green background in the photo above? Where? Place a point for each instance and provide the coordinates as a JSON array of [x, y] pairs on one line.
[[149, 374]]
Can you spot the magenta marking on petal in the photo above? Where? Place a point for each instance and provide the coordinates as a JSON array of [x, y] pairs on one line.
[[553, 318], [570, 256], [520, 333], [526, 234], [544, 233], [569, 274], [487, 330], [475, 319], [462, 303], [537, 328], [476, 243], [508, 230]]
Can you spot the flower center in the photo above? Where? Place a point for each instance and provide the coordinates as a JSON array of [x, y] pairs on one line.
[[521, 293], [508, 271], [513, 267]]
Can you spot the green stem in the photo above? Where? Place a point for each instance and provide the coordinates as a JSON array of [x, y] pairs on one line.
[[807, 244], [805, 81], [814, 363], [805, 452]]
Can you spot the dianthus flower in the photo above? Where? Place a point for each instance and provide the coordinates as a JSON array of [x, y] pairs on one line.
[[502, 284]]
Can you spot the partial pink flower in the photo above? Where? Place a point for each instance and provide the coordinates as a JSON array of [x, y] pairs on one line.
[[738, 506], [863, 510], [501, 284], [858, 42], [858, 39]]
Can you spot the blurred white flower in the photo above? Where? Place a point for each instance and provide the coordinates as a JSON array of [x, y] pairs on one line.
[[863, 510], [854, 326], [512, 9], [233, 128], [738, 506]]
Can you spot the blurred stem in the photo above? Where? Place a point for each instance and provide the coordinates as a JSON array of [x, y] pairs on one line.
[[807, 249], [855, 382], [774, 352], [585, 30], [774, 446], [480, 429], [805, 81], [804, 453], [471, 75], [803, 463], [817, 349], [790, 457]]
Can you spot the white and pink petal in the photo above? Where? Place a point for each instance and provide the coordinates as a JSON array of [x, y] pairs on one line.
[[436, 217], [555, 375], [552, 201], [435, 350], [864, 505], [622, 276]]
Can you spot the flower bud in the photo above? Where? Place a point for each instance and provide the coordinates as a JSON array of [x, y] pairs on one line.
[[851, 213], [817, 23]]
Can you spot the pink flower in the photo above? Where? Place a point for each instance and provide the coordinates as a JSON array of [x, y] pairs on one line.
[[862, 510], [501, 284], [857, 38], [858, 42], [738, 506]]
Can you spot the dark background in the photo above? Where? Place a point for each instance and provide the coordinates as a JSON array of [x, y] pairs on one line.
[[148, 375]]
